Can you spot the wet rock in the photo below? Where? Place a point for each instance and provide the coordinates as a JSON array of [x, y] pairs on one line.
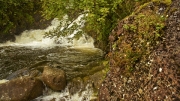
[[76, 85], [54, 78], [18, 73], [21, 89], [97, 79], [79, 84], [23, 72]]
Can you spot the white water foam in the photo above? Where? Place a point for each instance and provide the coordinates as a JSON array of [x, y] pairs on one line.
[[35, 38], [3, 81], [66, 96]]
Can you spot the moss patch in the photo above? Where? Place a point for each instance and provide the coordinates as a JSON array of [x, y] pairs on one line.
[[145, 56], [137, 35]]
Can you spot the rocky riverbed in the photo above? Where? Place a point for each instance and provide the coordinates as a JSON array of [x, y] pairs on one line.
[[36, 72]]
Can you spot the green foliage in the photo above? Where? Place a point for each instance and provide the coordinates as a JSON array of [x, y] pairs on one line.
[[66, 28], [130, 27], [102, 17], [16, 12]]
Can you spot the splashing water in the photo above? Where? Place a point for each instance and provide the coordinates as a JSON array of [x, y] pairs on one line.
[[66, 96], [3, 81], [35, 38]]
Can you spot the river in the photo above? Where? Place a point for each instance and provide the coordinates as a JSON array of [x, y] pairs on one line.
[[31, 50]]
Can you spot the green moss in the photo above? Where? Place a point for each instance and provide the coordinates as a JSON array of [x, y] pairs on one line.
[[130, 27], [167, 2], [141, 33]]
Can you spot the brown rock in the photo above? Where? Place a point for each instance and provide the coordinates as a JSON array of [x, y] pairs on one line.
[[76, 85], [54, 78], [21, 89]]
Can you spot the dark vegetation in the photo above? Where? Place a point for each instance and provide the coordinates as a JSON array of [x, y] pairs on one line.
[[19, 15]]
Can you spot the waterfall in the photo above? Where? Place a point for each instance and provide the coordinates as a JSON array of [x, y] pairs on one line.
[[36, 38], [43, 49]]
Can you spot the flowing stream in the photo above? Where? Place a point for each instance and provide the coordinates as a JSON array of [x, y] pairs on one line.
[[31, 49]]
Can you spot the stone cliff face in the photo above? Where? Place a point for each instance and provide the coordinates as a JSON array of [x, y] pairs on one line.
[[145, 55]]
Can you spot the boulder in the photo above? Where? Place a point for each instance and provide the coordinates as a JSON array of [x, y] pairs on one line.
[[21, 89], [54, 78], [76, 85]]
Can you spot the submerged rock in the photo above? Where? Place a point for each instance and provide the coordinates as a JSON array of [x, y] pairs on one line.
[[54, 78], [23, 72], [21, 89]]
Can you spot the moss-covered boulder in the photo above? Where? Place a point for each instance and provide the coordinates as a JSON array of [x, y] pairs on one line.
[[144, 54]]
